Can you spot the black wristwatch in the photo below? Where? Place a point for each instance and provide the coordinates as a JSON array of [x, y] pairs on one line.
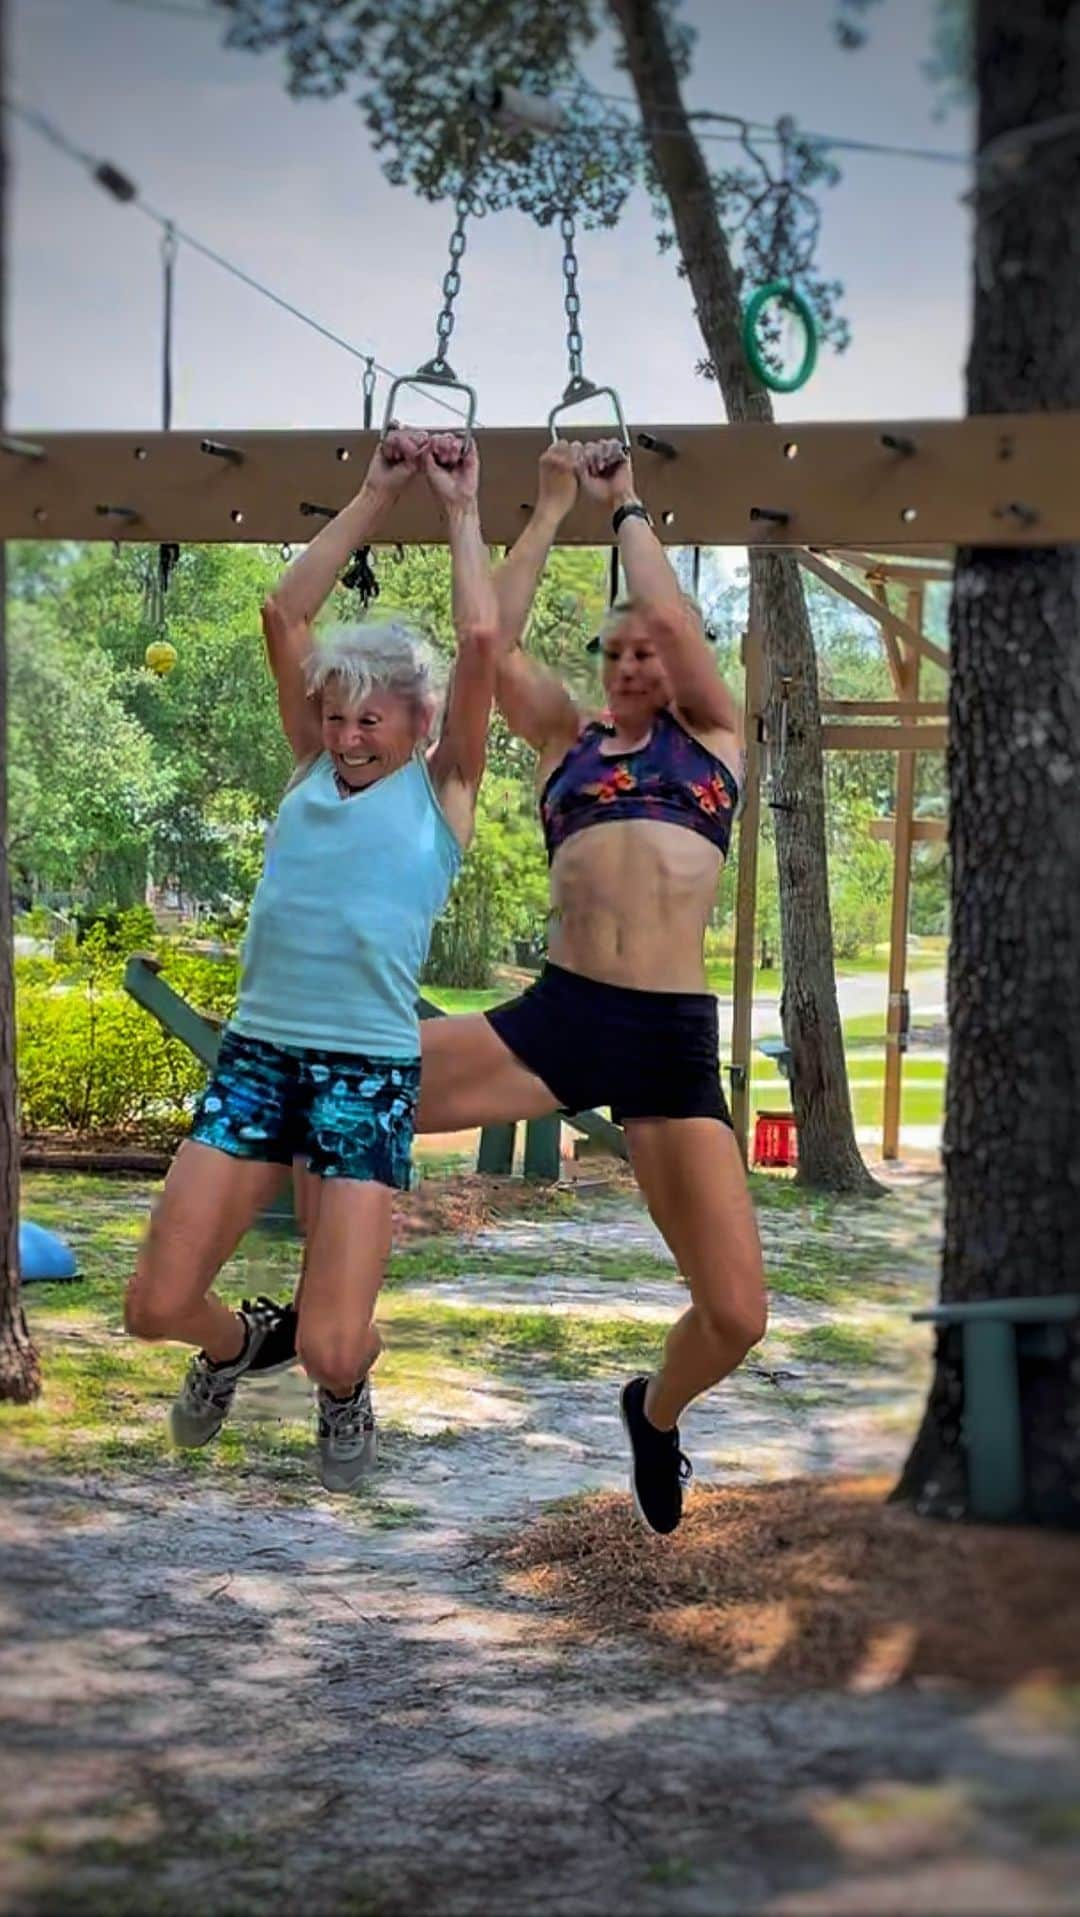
[[633, 509]]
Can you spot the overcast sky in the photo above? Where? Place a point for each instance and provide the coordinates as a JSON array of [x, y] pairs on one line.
[[292, 192]]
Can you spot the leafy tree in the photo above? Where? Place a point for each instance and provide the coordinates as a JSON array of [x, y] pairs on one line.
[[86, 782]]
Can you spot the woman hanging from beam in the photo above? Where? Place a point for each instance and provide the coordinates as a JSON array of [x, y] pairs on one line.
[[321, 1061], [637, 813]]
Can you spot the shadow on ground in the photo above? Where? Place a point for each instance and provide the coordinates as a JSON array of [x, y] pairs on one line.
[[228, 1708]]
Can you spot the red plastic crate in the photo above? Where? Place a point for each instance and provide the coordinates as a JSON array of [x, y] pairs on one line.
[[776, 1139]]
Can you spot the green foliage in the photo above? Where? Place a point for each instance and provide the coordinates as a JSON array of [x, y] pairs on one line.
[[92, 1063], [952, 48], [119, 777], [85, 781], [411, 65], [499, 904], [120, 933]]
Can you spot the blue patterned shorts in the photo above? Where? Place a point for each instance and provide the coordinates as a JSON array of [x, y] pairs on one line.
[[349, 1116]]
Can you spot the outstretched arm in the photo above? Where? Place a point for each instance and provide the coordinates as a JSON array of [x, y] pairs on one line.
[[700, 692], [533, 700], [457, 761], [290, 610]]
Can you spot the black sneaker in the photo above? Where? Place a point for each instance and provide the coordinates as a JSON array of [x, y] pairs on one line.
[[659, 1469], [277, 1350], [205, 1398]]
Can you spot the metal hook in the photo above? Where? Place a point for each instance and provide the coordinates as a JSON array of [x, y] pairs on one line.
[[662, 446], [218, 451], [21, 448]]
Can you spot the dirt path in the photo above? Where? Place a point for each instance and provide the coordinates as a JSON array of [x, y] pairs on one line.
[[234, 1705]]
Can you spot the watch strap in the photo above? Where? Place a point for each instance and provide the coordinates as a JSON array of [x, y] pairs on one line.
[[633, 509]]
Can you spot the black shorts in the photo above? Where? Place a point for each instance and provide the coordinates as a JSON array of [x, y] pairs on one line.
[[644, 1054]]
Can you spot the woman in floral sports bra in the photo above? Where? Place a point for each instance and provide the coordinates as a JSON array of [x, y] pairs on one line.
[[637, 811]]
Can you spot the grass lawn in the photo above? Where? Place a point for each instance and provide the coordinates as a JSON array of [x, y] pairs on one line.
[[451, 998], [922, 1099], [106, 1396]]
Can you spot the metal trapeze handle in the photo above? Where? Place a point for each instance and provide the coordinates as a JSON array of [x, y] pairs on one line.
[[577, 391], [439, 374]]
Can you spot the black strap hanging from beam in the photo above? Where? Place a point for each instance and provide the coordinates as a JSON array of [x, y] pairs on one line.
[[359, 576], [168, 263], [168, 553]]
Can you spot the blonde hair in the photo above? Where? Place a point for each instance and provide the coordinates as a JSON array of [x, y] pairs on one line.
[[388, 654]]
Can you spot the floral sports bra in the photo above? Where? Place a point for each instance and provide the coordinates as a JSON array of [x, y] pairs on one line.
[[671, 778]]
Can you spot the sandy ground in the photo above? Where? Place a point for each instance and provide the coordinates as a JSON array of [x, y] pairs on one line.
[[231, 1704]]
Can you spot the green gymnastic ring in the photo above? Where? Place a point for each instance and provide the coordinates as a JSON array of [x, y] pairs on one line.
[[796, 303]]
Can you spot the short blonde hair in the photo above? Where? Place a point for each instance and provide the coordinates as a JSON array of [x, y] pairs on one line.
[[388, 655]]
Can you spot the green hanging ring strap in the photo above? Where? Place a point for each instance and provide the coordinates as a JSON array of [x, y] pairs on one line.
[[796, 303]]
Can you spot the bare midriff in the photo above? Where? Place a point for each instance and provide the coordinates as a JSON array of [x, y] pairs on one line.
[[630, 903]]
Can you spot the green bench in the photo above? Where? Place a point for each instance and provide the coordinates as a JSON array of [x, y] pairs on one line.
[[994, 1334]]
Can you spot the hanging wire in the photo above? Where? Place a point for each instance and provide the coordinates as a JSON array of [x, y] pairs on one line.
[[123, 189], [701, 117]]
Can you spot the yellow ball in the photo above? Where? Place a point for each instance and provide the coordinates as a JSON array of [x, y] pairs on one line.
[[160, 657]]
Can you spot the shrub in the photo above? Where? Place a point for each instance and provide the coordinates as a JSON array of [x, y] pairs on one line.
[[91, 1062]]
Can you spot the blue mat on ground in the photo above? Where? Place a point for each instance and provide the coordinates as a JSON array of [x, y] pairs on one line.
[[44, 1255]]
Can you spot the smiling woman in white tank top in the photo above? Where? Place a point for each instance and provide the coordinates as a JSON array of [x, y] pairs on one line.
[[321, 1061]]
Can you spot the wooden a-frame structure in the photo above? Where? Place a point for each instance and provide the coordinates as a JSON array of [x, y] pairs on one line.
[[837, 494]]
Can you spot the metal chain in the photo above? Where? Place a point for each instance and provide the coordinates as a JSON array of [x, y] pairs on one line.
[[575, 345], [368, 390], [451, 286]]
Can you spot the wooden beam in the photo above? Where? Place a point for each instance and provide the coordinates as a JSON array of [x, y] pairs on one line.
[[889, 621], [897, 738], [746, 894], [981, 481], [892, 650], [923, 831], [933, 555], [884, 709], [895, 571]]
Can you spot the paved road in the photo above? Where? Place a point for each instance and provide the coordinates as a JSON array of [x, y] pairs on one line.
[[859, 995]]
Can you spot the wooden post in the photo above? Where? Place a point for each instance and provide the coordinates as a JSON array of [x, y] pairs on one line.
[[908, 689], [543, 1141], [20, 1375], [746, 896], [496, 1154]]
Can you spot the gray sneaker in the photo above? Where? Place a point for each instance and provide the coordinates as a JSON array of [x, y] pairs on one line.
[[204, 1400], [347, 1442]]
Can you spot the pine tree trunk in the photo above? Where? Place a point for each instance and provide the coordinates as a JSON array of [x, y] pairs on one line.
[[829, 1158], [1012, 1225], [20, 1378]]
